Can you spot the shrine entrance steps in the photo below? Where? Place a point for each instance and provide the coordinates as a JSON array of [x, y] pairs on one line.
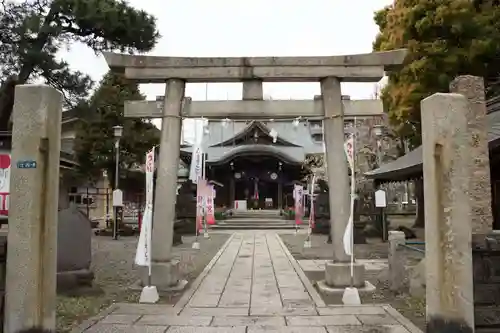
[[255, 223], [264, 213], [255, 220]]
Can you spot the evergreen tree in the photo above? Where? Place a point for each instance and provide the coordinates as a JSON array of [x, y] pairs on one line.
[[33, 31], [95, 142], [445, 39]]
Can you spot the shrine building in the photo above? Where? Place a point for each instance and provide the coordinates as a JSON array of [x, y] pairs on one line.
[[250, 166]]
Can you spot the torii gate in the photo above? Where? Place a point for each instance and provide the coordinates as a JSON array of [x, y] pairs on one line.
[[329, 71]]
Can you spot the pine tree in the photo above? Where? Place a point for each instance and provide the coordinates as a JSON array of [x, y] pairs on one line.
[[33, 31]]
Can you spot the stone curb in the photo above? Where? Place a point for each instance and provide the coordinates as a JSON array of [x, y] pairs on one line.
[[87, 323], [305, 281], [401, 319]]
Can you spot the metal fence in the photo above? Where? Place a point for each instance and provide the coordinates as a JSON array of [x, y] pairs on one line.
[[97, 204]]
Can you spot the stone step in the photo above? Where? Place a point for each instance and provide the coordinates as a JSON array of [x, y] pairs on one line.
[[250, 217], [252, 227], [256, 221], [257, 213], [255, 224]]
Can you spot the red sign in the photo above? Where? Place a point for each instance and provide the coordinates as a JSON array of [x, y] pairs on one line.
[[4, 203]]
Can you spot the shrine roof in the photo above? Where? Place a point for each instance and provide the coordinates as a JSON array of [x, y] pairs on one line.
[[293, 155], [295, 142], [410, 165]]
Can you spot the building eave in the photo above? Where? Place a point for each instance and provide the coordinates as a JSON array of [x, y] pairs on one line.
[[255, 150], [409, 166]]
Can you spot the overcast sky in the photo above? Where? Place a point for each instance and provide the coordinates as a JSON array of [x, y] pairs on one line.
[[217, 28]]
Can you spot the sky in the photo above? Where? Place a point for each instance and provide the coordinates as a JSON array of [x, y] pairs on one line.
[[218, 28]]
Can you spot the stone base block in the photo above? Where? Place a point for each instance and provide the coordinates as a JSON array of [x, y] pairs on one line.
[[164, 275], [181, 284], [338, 275], [326, 289]]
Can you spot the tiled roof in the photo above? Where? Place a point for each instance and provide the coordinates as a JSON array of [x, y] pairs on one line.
[[218, 142]]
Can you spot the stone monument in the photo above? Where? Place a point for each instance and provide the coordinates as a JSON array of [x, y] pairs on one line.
[[74, 250], [448, 165], [32, 239]]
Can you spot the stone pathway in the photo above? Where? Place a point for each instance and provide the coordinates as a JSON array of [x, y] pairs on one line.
[[252, 285]]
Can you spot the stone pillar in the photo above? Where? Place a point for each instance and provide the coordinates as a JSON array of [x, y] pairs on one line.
[[397, 270], [252, 90], [448, 167], [337, 170], [472, 87], [164, 271], [338, 271], [32, 238]]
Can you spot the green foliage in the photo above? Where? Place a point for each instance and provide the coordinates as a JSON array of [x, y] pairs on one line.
[[95, 142], [33, 31], [445, 39]]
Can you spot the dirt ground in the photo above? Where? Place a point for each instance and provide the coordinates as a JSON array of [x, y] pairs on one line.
[[113, 265], [411, 307]]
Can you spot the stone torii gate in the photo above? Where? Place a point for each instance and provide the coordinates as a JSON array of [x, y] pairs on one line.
[[329, 71]]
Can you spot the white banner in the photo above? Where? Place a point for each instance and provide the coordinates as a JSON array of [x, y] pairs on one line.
[[348, 234], [348, 239], [349, 151], [195, 171], [143, 253]]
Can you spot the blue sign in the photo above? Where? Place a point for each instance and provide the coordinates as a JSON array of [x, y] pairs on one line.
[[26, 164]]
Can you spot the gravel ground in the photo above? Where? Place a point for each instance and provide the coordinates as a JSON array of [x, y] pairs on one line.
[[411, 307], [113, 265]]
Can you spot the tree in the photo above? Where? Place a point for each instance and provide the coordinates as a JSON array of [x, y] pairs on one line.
[[33, 31], [444, 39], [95, 142]]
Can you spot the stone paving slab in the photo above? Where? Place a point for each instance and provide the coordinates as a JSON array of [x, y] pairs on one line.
[[316, 265], [287, 329], [249, 321], [166, 320], [127, 319], [355, 310], [183, 329], [215, 312], [110, 328], [339, 320], [368, 329], [284, 311], [253, 285]]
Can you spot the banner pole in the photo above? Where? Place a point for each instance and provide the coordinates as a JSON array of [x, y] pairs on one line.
[[353, 193]]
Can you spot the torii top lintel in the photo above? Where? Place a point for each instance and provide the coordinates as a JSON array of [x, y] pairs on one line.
[[368, 67]]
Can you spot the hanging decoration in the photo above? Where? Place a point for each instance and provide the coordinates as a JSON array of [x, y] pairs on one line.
[[274, 134], [225, 122]]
